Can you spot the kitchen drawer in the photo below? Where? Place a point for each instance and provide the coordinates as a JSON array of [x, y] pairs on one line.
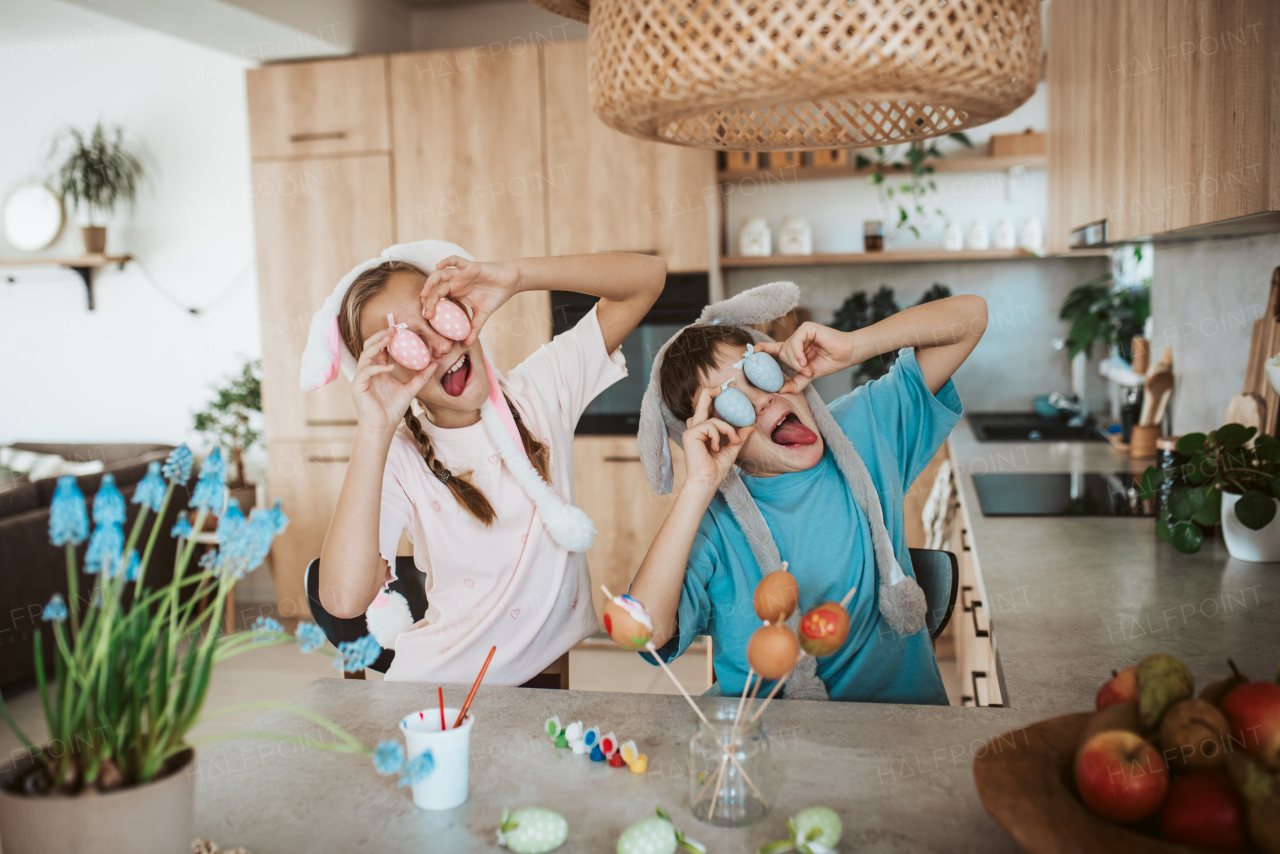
[[336, 106]]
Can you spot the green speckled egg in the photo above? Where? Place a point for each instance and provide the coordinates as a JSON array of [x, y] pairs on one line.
[[649, 836], [532, 830], [817, 824]]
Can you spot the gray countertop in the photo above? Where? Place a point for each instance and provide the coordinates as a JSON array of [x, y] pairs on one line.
[[1069, 599]]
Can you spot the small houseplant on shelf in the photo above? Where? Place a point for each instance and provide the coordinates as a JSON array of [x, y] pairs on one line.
[[96, 172], [233, 419], [1232, 475], [905, 199], [131, 669]]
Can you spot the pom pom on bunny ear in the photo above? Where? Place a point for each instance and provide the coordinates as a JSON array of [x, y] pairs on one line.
[[388, 617]]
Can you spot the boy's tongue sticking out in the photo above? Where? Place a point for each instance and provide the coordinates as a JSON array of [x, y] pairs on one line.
[[792, 432]]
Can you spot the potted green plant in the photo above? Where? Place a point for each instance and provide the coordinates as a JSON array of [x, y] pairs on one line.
[[858, 312], [909, 195], [1103, 310], [1232, 475], [233, 418], [96, 173]]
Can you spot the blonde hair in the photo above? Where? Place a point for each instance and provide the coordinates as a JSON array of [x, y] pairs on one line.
[[366, 285]]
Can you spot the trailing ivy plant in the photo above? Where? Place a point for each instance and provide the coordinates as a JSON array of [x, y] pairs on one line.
[[911, 193], [1233, 459]]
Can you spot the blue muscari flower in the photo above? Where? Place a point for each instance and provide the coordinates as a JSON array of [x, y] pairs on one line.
[[249, 546], [267, 624], [108, 503], [134, 567], [388, 757], [310, 637], [356, 655], [417, 770], [278, 520], [177, 468], [68, 519], [57, 610], [210, 559], [230, 522], [150, 490], [104, 549], [181, 528], [211, 488]]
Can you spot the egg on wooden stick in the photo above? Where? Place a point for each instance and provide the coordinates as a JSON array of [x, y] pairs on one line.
[[824, 628], [627, 621], [773, 651], [777, 596]]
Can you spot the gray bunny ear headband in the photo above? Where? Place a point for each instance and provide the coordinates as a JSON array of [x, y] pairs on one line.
[[902, 601]]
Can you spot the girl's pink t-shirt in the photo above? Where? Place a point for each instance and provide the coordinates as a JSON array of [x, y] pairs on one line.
[[509, 585]]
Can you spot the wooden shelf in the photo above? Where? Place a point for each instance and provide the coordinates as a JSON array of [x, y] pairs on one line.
[[905, 256], [960, 164], [85, 266]]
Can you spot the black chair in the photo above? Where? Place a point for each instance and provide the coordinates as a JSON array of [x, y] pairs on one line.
[[410, 583], [938, 575]]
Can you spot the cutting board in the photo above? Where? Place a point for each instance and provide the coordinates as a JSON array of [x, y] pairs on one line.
[[1264, 344]]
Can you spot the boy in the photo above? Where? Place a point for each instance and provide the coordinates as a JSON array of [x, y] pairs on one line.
[[825, 518]]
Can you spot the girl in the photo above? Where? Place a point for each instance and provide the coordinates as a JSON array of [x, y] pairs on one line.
[[476, 468]]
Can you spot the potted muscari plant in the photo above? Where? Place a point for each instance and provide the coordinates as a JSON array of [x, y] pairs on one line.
[[130, 672], [97, 172], [1232, 475]]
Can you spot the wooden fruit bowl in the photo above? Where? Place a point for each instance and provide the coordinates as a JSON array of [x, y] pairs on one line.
[[1025, 781]]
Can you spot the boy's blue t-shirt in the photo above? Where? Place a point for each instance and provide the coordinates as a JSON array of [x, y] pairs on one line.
[[896, 425]]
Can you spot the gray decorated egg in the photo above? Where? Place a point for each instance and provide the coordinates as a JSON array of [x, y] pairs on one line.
[[733, 406], [762, 370]]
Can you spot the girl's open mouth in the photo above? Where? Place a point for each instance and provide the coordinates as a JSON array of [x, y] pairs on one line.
[[455, 379], [790, 432]]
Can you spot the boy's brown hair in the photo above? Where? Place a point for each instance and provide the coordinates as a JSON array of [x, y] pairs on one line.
[[691, 356]]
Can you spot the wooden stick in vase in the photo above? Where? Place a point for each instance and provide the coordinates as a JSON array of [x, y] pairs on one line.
[[667, 670]]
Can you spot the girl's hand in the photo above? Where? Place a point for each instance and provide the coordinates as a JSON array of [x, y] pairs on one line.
[[812, 351], [483, 286], [380, 398], [711, 446]]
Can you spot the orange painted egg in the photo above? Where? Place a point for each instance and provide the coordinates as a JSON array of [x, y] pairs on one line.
[[824, 628], [451, 321], [773, 651], [777, 596], [627, 622]]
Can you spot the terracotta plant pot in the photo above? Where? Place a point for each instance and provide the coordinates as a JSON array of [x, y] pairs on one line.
[[1260, 546], [95, 239], [157, 818]]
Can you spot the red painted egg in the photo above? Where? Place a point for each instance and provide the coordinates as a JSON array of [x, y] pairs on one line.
[[627, 622], [773, 651], [777, 596], [824, 628]]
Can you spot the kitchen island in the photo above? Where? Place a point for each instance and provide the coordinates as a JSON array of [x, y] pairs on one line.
[[1069, 599]]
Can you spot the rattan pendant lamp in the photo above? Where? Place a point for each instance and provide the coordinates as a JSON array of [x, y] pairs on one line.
[[806, 74]]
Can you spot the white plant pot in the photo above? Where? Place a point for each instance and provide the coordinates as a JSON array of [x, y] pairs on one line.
[[1261, 546]]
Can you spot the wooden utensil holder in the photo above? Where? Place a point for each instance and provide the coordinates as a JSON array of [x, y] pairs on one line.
[[1142, 442]]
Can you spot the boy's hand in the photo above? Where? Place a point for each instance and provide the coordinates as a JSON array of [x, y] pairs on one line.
[[812, 351], [483, 286], [711, 446]]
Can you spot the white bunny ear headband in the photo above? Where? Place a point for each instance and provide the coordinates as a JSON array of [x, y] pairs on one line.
[[325, 353], [902, 601]]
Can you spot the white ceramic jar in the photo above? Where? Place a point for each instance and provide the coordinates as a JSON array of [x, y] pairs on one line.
[[979, 238], [754, 238], [795, 237], [1032, 235], [1260, 546], [1006, 236], [952, 237]]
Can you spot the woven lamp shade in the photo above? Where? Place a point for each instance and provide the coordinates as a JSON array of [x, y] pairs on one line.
[[807, 74]]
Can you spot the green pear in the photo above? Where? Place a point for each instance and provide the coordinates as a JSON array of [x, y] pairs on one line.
[[1162, 681], [1215, 691], [1261, 794]]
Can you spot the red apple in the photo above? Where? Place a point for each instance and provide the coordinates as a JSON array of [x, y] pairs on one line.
[[1122, 687], [1253, 710], [1204, 810], [1120, 776]]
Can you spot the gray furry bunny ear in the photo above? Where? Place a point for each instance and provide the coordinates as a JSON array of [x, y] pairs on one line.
[[758, 305]]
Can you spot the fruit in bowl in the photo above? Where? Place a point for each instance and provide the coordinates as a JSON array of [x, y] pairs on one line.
[[1204, 809], [1122, 687], [1253, 711], [1121, 776]]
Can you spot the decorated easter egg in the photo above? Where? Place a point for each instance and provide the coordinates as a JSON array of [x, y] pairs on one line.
[[762, 370], [628, 622], [532, 830], [777, 596], [823, 629], [451, 321], [773, 651], [648, 836], [817, 825], [733, 406], [406, 347]]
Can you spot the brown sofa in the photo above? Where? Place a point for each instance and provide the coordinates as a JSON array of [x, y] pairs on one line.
[[32, 570]]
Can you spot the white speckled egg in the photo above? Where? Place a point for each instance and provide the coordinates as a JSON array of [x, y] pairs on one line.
[[733, 406]]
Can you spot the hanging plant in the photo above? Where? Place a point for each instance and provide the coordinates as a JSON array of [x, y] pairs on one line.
[[911, 195]]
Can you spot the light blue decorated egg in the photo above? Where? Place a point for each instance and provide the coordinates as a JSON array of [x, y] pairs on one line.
[[762, 370], [733, 406]]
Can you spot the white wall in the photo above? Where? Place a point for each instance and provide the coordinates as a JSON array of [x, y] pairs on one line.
[[507, 25], [138, 366]]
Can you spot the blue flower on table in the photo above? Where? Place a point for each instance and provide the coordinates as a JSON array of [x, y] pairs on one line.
[[279, 521], [388, 757], [177, 468], [209, 559], [211, 488], [55, 610], [150, 490], [356, 655], [133, 568], [249, 545], [104, 549], [182, 528], [310, 637], [267, 624], [231, 522], [417, 770], [68, 518], [108, 503]]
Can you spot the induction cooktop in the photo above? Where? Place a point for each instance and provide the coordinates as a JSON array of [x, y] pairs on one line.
[[1060, 494]]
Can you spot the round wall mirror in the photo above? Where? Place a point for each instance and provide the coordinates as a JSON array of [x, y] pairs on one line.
[[32, 217]]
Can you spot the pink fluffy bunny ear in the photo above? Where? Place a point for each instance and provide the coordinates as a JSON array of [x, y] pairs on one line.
[[335, 346]]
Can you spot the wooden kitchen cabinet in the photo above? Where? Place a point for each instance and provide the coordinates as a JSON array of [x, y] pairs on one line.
[[610, 485], [612, 192], [304, 109]]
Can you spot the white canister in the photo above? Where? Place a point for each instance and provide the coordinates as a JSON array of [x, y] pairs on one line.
[[446, 786], [952, 237], [979, 238], [1260, 546], [755, 238], [795, 237], [1006, 237], [1032, 235]]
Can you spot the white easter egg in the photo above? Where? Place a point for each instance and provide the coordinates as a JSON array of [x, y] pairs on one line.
[[451, 321], [733, 406]]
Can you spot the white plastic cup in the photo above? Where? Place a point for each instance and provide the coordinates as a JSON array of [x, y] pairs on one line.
[[446, 786]]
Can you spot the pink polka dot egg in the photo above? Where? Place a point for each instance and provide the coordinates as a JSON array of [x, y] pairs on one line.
[[406, 347], [451, 321]]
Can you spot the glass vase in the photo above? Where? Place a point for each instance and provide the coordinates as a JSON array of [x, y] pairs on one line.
[[731, 779]]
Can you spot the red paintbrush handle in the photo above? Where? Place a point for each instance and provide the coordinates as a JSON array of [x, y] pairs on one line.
[[462, 713]]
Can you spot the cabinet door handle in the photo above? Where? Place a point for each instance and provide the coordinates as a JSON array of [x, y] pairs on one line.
[[332, 422], [323, 458], [964, 539], [965, 605], [980, 674], [317, 137], [982, 633], [622, 459]]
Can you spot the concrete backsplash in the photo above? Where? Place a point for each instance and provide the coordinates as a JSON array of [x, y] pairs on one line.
[[1204, 299], [1015, 361]]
